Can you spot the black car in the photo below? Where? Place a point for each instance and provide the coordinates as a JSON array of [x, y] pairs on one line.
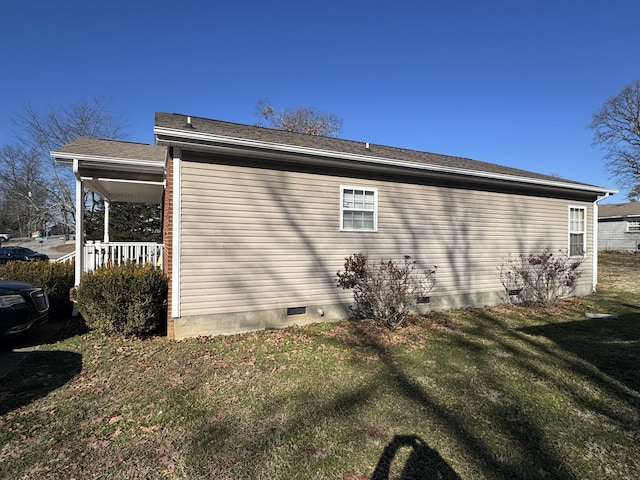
[[22, 306], [8, 254]]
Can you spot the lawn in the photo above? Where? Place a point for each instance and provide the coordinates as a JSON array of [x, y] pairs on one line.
[[493, 393]]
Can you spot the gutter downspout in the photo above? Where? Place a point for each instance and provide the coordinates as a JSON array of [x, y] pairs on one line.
[[594, 280]]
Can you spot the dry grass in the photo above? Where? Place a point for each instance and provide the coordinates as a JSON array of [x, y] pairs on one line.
[[494, 393], [619, 271]]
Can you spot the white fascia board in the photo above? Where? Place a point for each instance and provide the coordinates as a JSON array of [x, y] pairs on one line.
[[68, 158], [278, 147], [618, 217]]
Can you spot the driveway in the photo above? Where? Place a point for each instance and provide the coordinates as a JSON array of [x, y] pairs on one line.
[[52, 246], [14, 350]]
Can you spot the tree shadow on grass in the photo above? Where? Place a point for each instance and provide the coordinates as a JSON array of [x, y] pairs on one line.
[[40, 373], [530, 441], [294, 414], [612, 345], [497, 351]]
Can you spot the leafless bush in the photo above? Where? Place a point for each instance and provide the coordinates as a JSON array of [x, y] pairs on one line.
[[386, 291], [540, 278]]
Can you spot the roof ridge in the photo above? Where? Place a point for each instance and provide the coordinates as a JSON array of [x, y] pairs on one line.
[[205, 126]]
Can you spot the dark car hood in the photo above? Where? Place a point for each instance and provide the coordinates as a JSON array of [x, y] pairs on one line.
[[8, 286]]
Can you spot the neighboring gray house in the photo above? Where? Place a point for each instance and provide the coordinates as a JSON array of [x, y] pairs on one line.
[[258, 221], [619, 227]]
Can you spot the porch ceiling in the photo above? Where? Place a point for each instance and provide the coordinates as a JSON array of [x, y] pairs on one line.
[[115, 190]]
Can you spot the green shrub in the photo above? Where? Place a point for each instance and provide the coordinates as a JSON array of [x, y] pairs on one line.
[[55, 278], [128, 299]]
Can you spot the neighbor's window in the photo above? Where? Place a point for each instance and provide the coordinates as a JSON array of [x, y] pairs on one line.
[[577, 231], [358, 208], [633, 226]]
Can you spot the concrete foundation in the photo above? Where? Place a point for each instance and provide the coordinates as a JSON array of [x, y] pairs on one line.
[[239, 322]]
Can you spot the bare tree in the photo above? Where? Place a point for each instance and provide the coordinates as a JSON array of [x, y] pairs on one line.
[[634, 193], [616, 129], [24, 191], [46, 131], [302, 119]]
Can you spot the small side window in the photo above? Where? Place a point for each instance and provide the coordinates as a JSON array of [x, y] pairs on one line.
[[577, 231], [358, 209], [633, 226]]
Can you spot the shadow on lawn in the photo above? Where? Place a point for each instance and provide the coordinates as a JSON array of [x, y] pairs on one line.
[[524, 434], [612, 345], [40, 373], [423, 461], [534, 453]]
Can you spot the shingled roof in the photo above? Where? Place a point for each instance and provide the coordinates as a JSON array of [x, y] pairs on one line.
[[178, 123], [114, 149], [619, 210]]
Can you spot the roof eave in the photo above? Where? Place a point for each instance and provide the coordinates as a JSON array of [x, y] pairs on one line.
[[618, 217], [65, 158], [181, 138]]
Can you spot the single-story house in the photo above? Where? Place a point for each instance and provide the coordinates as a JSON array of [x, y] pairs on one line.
[[257, 222], [619, 227]]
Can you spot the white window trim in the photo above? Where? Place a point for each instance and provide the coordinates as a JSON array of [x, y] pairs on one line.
[[584, 230], [635, 230], [342, 209]]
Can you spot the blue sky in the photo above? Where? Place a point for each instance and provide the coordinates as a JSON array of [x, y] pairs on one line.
[[508, 82]]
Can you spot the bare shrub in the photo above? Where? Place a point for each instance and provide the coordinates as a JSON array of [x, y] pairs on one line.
[[386, 291], [540, 278]]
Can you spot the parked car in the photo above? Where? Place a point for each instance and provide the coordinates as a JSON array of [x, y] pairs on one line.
[[22, 307], [5, 237], [20, 253]]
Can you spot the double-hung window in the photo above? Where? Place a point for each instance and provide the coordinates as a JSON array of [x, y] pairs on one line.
[[633, 226], [358, 209], [577, 231]]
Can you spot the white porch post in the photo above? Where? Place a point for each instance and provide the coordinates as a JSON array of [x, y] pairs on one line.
[[79, 225], [106, 222]]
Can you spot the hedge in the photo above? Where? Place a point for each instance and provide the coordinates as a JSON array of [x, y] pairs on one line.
[[128, 299]]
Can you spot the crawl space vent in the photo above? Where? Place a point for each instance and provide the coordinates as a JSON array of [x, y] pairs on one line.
[[296, 310]]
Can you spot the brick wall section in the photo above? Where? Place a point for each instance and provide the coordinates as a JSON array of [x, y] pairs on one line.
[[167, 239]]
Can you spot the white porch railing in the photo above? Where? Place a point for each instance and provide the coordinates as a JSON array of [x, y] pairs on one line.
[[100, 254], [68, 257]]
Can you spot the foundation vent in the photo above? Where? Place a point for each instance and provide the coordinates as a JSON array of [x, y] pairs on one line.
[[296, 311]]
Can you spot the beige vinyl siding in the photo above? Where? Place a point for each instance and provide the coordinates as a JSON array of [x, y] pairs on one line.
[[259, 239]]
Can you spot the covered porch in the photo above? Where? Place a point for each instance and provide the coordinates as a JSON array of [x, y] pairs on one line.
[[118, 172]]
